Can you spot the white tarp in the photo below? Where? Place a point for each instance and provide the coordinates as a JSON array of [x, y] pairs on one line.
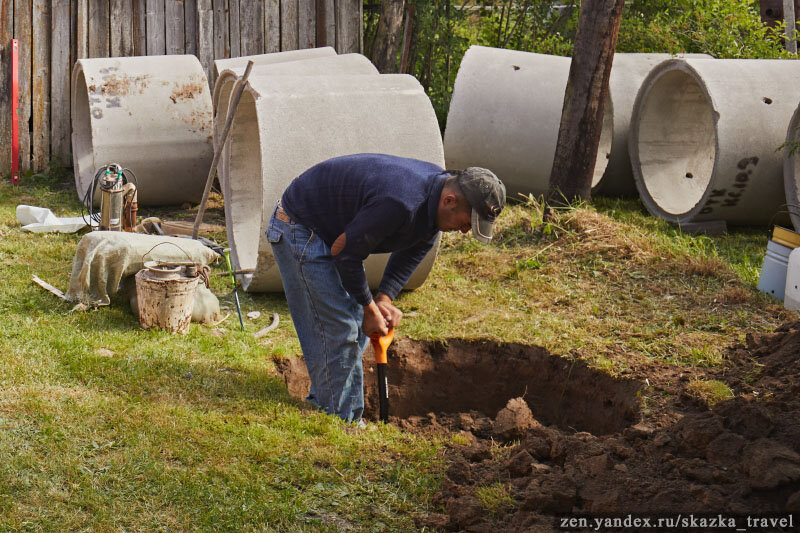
[[42, 220]]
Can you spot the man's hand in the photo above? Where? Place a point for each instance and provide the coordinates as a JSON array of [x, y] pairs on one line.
[[392, 314], [374, 321], [380, 315]]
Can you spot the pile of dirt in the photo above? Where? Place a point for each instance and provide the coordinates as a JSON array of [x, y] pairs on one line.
[[551, 436]]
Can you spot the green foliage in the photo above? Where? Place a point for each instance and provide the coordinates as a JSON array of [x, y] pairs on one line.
[[721, 28], [443, 31], [528, 25], [441, 39]]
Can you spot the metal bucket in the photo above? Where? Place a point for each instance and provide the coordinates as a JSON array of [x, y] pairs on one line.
[[166, 295]]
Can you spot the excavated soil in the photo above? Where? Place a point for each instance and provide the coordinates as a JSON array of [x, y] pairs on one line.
[[555, 437]]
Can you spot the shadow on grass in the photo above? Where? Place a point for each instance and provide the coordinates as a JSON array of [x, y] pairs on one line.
[[202, 384]]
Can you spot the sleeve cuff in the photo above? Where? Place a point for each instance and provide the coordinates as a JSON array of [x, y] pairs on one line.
[[389, 289], [363, 297]]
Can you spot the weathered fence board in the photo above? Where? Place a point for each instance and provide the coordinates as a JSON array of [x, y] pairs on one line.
[[326, 23], [22, 32], [139, 28], [190, 26], [176, 34], [251, 24], [349, 29], [41, 33], [6, 34], [53, 34], [272, 25], [222, 43], [233, 27], [121, 28], [82, 29], [289, 24], [307, 23], [155, 22], [205, 36], [60, 79], [98, 28]]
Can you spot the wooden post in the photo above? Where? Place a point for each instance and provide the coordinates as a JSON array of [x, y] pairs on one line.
[[789, 18], [584, 101]]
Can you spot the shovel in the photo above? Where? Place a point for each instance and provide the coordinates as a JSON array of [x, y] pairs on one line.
[[379, 346]]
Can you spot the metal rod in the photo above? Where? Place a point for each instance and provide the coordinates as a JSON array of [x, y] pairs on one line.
[[213, 170], [233, 281], [235, 272]]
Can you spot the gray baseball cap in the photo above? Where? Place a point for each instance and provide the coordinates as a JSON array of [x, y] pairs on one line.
[[486, 194]]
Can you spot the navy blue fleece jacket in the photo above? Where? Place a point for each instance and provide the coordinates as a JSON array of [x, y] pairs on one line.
[[382, 203]]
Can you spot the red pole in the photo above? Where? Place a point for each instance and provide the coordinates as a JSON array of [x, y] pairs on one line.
[[14, 111]]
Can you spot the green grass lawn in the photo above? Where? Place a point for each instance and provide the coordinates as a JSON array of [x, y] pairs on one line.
[[105, 426]]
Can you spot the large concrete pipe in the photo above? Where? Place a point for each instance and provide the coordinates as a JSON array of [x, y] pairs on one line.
[[627, 74], [505, 115], [791, 169], [150, 114], [286, 124], [704, 135], [271, 58], [349, 64]]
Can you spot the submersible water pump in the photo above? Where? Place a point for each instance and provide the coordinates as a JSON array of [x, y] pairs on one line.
[[118, 199]]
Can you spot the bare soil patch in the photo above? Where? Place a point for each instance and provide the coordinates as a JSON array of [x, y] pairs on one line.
[[559, 437]]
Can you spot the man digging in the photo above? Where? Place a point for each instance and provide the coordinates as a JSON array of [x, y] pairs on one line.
[[330, 219]]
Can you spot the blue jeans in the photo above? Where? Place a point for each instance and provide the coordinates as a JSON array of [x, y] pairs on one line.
[[327, 319]]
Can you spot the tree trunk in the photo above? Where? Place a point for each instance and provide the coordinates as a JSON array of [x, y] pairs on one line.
[[387, 37], [584, 101], [407, 33], [789, 18]]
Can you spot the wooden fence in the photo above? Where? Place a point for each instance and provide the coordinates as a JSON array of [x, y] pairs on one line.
[[52, 34]]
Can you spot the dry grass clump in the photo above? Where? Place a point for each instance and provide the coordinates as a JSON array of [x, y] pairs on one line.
[[577, 231], [735, 294], [709, 392], [706, 266]]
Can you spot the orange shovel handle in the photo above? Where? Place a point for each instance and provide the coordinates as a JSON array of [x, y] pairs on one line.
[[380, 345]]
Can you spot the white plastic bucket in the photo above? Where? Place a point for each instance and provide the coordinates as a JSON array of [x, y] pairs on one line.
[[792, 289], [773, 270]]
